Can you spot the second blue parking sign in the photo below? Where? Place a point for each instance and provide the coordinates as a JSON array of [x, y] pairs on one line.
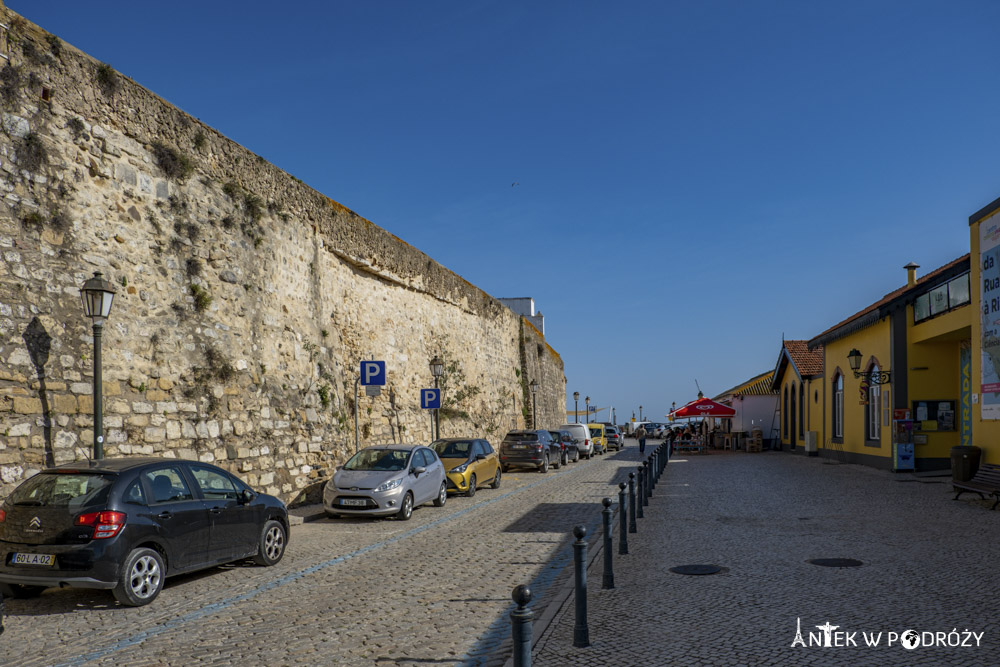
[[430, 398]]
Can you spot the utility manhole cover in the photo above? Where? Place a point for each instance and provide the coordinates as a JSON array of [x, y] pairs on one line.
[[696, 569], [836, 562]]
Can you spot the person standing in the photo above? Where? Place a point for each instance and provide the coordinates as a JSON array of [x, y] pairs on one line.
[[641, 434]]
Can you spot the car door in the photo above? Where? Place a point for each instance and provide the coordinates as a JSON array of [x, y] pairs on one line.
[[436, 472], [424, 487], [181, 519], [489, 464], [233, 524]]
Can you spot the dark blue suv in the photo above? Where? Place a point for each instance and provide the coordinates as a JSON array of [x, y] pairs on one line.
[[127, 524]]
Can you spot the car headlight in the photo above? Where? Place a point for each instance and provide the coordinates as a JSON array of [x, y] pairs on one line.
[[460, 469], [388, 486]]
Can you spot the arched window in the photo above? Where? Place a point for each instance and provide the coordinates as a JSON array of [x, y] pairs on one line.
[[802, 410], [874, 407], [838, 406]]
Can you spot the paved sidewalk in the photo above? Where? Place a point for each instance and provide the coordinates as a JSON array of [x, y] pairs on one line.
[[929, 564]]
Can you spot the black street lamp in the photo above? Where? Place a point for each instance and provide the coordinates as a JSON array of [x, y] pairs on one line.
[[534, 403], [98, 295], [576, 406], [640, 413], [587, 401], [437, 370]]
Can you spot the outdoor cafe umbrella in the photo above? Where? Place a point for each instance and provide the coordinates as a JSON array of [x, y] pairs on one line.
[[703, 407]]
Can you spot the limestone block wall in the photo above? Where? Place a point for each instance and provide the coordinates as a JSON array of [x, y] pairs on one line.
[[245, 303]]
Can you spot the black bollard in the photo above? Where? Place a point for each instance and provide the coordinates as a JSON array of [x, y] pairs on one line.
[[623, 512], [649, 492], [520, 626], [581, 633], [640, 493], [608, 580], [653, 467], [648, 466], [631, 503]]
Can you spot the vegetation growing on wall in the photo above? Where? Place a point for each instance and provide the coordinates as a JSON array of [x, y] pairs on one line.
[[107, 79], [174, 164]]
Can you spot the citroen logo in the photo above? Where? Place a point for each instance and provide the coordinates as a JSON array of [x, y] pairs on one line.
[[354, 488], [35, 523]]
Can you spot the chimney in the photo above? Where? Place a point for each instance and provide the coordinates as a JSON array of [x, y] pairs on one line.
[[911, 274]]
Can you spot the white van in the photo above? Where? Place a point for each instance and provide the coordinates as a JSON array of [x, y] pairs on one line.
[[581, 434]]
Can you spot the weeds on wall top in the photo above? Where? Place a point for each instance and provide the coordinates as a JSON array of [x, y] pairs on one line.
[[199, 140], [55, 44], [174, 164], [107, 79]]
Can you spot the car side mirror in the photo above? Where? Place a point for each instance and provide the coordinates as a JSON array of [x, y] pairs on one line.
[[246, 496], [418, 471], [480, 457]]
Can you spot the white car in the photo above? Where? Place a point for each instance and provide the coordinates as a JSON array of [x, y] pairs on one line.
[[581, 434]]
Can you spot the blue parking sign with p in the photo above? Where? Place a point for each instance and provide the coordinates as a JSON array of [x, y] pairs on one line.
[[373, 372], [430, 398]]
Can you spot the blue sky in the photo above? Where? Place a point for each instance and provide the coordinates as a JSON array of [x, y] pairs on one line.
[[695, 179]]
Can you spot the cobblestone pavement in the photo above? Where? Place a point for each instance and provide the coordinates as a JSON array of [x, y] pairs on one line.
[[930, 564], [433, 590]]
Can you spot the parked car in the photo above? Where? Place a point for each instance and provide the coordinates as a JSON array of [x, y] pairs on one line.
[[386, 480], [567, 443], [581, 434], [126, 524], [467, 462], [597, 435], [615, 439], [530, 449]]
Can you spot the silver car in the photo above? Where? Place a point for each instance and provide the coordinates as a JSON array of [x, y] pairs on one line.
[[386, 480]]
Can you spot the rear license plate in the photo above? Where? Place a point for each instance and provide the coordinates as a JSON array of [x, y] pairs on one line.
[[33, 559], [518, 446], [353, 502]]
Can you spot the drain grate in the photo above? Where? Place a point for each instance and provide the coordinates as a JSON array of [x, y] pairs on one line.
[[836, 562], [696, 569]]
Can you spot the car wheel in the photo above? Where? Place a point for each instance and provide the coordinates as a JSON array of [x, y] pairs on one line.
[[496, 480], [20, 591], [472, 486], [558, 462], [576, 457], [442, 496], [544, 468], [141, 579], [272, 543], [565, 458], [406, 511]]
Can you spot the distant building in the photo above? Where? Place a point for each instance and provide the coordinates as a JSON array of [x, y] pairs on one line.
[[525, 307], [756, 405]]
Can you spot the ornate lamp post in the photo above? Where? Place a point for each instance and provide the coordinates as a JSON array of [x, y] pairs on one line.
[[587, 401], [576, 406], [437, 370], [534, 403], [98, 294]]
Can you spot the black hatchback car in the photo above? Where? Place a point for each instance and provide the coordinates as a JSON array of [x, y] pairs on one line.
[[127, 524], [530, 449]]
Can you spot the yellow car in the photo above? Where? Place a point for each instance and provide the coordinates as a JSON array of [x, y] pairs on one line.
[[599, 438], [468, 463]]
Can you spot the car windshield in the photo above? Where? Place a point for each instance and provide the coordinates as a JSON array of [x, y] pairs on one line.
[[523, 437], [63, 490], [455, 449], [378, 459]]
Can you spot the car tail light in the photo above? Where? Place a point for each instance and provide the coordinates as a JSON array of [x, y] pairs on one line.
[[538, 448], [3, 515], [106, 524]]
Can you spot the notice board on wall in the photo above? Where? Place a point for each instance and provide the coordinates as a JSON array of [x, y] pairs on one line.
[[934, 415]]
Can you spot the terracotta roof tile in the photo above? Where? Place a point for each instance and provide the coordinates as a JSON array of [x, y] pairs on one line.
[[808, 362]]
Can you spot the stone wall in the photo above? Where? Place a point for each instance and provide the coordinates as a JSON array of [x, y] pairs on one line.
[[245, 303]]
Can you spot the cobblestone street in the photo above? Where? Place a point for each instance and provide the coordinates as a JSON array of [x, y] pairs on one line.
[[434, 590], [929, 564]]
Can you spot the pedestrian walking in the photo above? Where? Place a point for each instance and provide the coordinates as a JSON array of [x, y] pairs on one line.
[[641, 434]]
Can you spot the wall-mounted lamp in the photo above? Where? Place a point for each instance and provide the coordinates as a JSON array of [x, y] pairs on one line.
[[874, 377]]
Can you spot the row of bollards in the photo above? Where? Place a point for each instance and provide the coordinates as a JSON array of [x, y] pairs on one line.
[[640, 490]]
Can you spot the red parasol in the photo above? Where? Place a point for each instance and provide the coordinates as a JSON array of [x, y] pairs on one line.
[[703, 407]]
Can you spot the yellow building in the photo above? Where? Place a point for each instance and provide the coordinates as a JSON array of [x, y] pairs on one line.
[[798, 378], [984, 375], [906, 352]]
